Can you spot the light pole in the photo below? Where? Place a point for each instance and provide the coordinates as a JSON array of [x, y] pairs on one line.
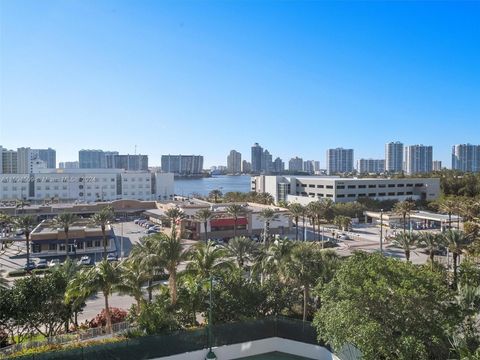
[[210, 355], [381, 231]]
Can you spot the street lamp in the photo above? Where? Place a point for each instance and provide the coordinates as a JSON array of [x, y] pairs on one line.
[[381, 231], [210, 355]]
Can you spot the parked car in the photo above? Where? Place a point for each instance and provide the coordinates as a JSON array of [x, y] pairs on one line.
[[151, 231], [329, 244], [19, 232], [42, 264], [112, 257], [29, 266], [53, 263], [85, 260], [344, 237]]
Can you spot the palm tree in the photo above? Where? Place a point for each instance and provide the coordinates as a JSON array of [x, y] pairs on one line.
[[264, 198], [64, 221], [102, 219], [235, 210], [26, 223], [215, 194], [132, 277], [267, 215], [204, 215], [431, 242], [404, 208], [4, 221], [174, 215], [272, 258], [296, 211], [103, 277], [328, 206], [206, 259], [243, 249], [406, 241], [448, 206], [343, 222], [312, 210], [456, 241]]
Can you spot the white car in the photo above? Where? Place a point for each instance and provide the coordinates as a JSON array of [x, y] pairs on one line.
[[53, 263]]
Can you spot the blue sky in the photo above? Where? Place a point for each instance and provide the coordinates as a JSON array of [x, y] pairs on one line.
[[207, 77]]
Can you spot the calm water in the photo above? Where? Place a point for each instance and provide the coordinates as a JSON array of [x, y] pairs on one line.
[[203, 186]]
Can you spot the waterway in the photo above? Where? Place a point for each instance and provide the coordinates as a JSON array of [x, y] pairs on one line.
[[202, 186]]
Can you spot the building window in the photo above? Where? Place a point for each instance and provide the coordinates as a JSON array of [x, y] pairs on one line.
[[52, 247], [320, 186], [351, 195], [400, 193], [410, 185], [418, 185], [329, 186], [372, 186], [88, 244], [381, 185], [340, 196], [372, 194], [340, 186], [391, 194], [362, 186], [381, 194], [329, 195], [61, 247], [311, 185], [97, 243], [391, 185], [400, 185], [352, 186]]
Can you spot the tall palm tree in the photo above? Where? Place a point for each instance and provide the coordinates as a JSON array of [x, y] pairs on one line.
[[296, 211], [243, 249], [432, 243], [267, 215], [456, 241], [132, 277], [328, 208], [404, 208], [102, 219], [174, 215], [65, 221], [272, 258], [235, 210], [215, 194], [5, 220], [206, 259], [406, 241], [312, 210], [204, 215], [448, 205], [26, 223], [343, 222], [103, 277]]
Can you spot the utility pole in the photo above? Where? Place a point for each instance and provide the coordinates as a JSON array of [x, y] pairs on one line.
[[210, 355]]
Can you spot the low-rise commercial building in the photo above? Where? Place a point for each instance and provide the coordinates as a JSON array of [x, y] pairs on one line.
[[304, 189]]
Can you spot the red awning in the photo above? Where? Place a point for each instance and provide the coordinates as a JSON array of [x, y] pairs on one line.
[[228, 222]]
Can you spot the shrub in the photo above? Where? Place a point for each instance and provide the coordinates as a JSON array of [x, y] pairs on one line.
[[118, 315]]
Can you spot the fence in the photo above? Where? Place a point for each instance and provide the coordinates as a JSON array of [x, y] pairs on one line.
[[78, 336], [148, 347]]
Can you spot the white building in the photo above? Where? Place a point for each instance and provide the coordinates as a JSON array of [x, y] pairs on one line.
[[394, 157], [234, 162], [339, 160], [86, 185], [418, 159], [437, 165], [28, 159], [304, 189]]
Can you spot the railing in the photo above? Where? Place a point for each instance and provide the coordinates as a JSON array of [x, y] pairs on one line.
[[80, 335]]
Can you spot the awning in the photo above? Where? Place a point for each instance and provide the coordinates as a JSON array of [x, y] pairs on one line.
[[228, 222]]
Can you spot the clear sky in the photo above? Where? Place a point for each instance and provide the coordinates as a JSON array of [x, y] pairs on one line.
[[207, 77]]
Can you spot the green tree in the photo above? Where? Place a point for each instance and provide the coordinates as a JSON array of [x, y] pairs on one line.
[[235, 210], [26, 224], [215, 194], [65, 221], [387, 308], [296, 212], [404, 208], [243, 249], [132, 277], [207, 259], [102, 219], [157, 317], [204, 216], [406, 241], [267, 216], [456, 242], [432, 243], [103, 277], [343, 222], [174, 215]]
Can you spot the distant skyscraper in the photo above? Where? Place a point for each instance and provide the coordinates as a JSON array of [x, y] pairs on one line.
[[316, 165], [394, 157], [309, 166], [28, 159], [278, 166], [234, 162], [8, 162], [295, 164], [246, 167], [466, 157], [95, 159], [68, 165], [182, 164], [371, 166], [437, 165], [267, 163], [257, 155], [418, 159], [339, 160]]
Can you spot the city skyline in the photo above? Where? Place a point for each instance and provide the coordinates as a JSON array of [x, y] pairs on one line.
[[300, 79]]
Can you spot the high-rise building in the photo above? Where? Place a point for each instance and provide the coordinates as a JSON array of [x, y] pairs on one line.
[[183, 165], [68, 165], [246, 167], [278, 166], [316, 165], [418, 159], [234, 162], [437, 165], [28, 159], [127, 162], [257, 155], [466, 157], [267, 163], [8, 161], [339, 160], [96, 159], [371, 166], [48, 155], [309, 166], [394, 157], [295, 164]]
